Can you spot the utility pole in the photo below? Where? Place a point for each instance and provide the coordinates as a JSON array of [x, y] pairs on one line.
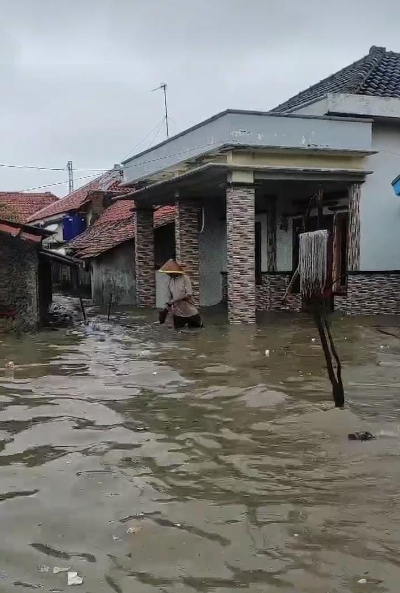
[[70, 176], [163, 86]]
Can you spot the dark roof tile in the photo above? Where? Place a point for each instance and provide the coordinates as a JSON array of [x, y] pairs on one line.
[[376, 74]]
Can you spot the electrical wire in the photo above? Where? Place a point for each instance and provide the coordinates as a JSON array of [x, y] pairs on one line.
[[144, 139], [168, 156], [57, 183], [48, 168]]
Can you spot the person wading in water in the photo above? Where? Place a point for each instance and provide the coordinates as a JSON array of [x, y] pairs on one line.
[[181, 302]]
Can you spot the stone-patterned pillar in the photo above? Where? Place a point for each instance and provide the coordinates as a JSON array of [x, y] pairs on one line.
[[187, 240], [271, 234], [240, 214], [353, 248], [144, 259]]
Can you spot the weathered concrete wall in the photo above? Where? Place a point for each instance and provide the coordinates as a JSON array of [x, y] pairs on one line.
[[114, 272], [379, 207], [19, 281], [249, 128]]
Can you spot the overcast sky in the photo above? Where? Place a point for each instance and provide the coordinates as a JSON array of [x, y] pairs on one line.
[[76, 75]]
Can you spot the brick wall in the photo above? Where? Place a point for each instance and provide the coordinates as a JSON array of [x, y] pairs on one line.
[[144, 259], [187, 240], [376, 293], [270, 292], [240, 214], [19, 281]]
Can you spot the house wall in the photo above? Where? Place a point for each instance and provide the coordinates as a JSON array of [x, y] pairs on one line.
[[19, 281], [379, 206], [114, 272]]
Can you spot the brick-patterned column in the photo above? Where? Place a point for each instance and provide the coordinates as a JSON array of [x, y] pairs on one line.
[[271, 234], [187, 240], [144, 259], [353, 248], [240, 206]]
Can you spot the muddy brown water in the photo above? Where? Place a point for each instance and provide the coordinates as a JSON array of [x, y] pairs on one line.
[[149, 460]]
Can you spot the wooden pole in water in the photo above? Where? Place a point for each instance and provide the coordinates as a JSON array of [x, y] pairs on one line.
[[109, 307], [83, 309]]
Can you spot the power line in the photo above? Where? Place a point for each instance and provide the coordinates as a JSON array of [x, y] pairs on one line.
[[168, 156], [48, 168], [57, 183]]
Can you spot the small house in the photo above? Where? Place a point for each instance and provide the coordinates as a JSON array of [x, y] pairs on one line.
[[107, 246], [25, 276], [242, 181]]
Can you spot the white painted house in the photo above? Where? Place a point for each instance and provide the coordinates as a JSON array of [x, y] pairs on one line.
[[369, 89]]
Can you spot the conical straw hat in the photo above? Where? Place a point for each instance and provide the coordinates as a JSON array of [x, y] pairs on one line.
[[171, 267]]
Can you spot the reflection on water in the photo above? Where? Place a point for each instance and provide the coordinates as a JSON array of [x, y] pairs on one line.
[[149, 460]]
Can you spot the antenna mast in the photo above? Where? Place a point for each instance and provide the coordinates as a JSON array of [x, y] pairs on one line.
[[163, 86]]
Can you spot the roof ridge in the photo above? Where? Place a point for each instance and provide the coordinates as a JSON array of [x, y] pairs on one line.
[[370, 62], [350, 79]]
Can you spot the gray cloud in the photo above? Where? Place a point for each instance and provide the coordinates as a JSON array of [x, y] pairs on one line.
[[76, 76]]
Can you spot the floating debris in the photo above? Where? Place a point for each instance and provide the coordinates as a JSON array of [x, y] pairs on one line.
[[361, 436], [362, 581], [44, 568], [58, 569], [74, 579], [134, 529], [10, 365], [267, 353]]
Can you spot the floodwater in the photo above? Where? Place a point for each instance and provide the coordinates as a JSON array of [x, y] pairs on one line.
[[148, 460]]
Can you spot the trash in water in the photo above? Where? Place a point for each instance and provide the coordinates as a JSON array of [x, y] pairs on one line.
[[313, 340], [267, 353], [361, 436], [44, 568], [155, 373], [116, 538], [134, 529], [74, 579], [58, 569], [10, 365], [362, 581]]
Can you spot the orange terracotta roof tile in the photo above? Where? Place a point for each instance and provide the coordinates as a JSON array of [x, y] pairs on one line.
[[20, 206], [115, 226], [109, 181]]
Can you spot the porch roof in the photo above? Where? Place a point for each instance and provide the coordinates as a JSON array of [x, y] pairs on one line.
[[210, 181], [238, 130]]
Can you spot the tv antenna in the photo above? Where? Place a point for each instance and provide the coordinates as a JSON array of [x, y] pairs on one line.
[[163, 86]]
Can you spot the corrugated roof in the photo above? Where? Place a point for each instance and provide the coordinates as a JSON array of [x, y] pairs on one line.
[[115, 226], [109, 181], [376, 74], [19, 206]]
